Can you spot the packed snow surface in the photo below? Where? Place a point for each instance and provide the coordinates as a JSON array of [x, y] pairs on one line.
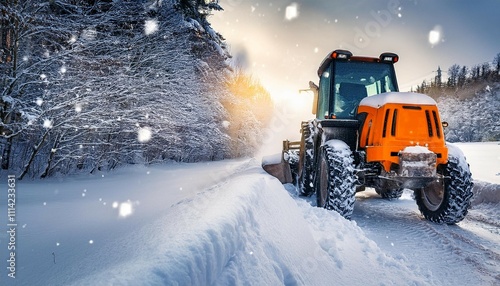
[[230, 223], [379, 100]]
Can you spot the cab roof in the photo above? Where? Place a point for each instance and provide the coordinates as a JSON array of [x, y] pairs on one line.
[[345, 55]]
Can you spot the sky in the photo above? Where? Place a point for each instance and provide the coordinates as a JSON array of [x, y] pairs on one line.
[[283, 42]]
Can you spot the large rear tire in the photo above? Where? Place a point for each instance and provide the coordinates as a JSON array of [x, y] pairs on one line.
[[306, 161], [335, 182], [448, 200]]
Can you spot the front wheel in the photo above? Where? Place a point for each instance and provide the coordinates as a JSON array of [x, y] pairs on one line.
[[447, 201], [335, 181]]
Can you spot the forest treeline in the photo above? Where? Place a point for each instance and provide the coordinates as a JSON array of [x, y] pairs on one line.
[[462, 81], [92, 85], [469, 100]]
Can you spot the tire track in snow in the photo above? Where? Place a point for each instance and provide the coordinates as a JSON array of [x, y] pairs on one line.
[[453, 254]]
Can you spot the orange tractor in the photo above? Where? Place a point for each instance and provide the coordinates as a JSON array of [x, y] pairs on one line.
[[367, 134]]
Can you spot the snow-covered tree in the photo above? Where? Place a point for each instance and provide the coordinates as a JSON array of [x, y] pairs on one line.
[[439, 78], [462, 76], [29, 45], [496, 64], [106, 83], [472, 118], [485, 70], [453, 72]]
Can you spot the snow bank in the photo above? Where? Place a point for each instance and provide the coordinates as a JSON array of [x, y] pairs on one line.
[[250, 231], [245, 230], [271, 159], [485, 193]]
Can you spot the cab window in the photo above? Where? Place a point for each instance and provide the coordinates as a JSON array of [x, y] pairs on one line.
[[325, 83]]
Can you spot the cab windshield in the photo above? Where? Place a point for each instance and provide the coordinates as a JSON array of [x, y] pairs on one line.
[[354, 81], [375, 77], [351, 82]]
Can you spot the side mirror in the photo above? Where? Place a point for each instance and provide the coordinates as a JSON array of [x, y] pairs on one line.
[[445, 124]]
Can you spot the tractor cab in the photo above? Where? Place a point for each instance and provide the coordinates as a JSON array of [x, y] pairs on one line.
[[346, 79]]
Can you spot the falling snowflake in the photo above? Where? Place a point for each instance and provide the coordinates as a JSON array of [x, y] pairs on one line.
[[292, 11], [91, 241], [47, 123], [144, 134], [126, 209], [39, 101], [63, 69], [150, 27], [435, 35], [78, 108], [72, 39]]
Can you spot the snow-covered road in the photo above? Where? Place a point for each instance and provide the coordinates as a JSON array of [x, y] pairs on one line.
[[229, 223], [463, 254]]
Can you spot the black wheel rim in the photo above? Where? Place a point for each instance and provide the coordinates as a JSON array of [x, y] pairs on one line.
[[433, 195]]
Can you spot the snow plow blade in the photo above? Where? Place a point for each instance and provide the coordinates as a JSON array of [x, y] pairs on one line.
[[277, 166], [280, 170]]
